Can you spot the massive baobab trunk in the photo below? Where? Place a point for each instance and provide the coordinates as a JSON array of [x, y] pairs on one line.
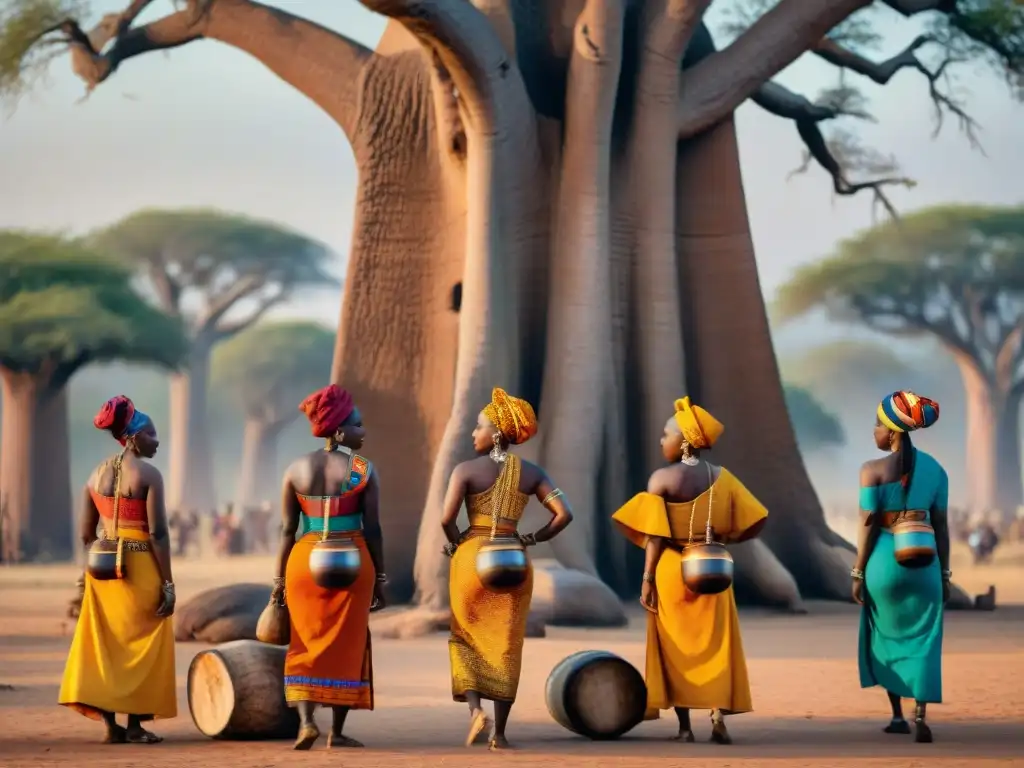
[[258, 479], [190, 473], [574, 166]]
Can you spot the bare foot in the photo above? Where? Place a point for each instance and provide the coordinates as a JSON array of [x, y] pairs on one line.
[[922, 733], [139, 735], [308, 734], [478, 723], [498, 742], [898, 726], [684, 735], [719, 734], [115, 735], [339, 740]]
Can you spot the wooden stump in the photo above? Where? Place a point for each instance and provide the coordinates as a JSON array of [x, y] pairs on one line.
[[596, 694], [236, 691]]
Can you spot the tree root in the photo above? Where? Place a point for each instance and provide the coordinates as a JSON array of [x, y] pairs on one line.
[[762, 579]]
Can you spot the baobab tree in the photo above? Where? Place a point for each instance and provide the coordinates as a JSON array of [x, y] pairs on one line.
[[265, 372], [573, 164], [219, 273], [814, 425], [62, 307], [956, 274]]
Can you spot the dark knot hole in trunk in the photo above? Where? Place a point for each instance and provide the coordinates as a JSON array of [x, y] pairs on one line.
[[456, 298]]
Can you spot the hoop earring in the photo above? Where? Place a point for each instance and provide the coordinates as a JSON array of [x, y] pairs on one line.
[[497, 454]]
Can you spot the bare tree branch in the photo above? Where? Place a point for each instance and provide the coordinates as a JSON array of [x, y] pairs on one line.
[[716, 86], [323, 65], [221, 304], [913, 7], [225, 330], [882, 72]]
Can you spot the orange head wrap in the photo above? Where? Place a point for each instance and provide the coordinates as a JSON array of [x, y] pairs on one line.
[[699, 428], [327, 409], [513, 417]]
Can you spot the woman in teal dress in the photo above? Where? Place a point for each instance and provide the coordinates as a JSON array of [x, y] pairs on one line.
[[901, 622]]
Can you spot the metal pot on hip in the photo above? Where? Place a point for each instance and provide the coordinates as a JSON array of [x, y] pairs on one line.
[[335, 563], [914, 543], [502, 563], [707, 568]]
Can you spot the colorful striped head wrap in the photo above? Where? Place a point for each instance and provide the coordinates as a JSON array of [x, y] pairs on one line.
[[327, 409], [121, 418], [904, 411], [699, 428], [513, 417]]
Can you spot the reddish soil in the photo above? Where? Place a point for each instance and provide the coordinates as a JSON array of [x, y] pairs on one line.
[[810, 710]]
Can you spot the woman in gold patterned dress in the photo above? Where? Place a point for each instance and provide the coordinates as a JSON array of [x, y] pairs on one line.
[[488, 626]]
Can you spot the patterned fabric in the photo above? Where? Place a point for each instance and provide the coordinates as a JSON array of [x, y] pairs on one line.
[[487, 627], [121, 418], [327, 409], [699, 427], [905, 411], [132, 514], [513, 417]]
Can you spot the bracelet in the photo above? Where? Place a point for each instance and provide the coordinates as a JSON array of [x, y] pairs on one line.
[[449, 549], [279, 581], [947, 575], [168, 586], [382, 578], [528, 539], [647, 577], [552, 496], [857, 574]]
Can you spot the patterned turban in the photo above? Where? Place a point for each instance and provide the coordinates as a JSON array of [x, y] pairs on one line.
[[513, 417], [699, 427], [904, 411], [121, 418], [327, 409]]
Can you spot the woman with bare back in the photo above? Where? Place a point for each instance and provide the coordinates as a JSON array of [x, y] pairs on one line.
[[694, 651], [488, 626], [122, 656], [901, 622], [328, 661]]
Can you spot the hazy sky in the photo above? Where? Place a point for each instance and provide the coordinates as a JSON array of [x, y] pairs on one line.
[[206, 125]]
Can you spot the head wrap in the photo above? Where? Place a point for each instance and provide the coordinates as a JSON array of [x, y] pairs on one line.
[[513, 417], [121, 418], [699, 428], [904, 411], [327, 409]]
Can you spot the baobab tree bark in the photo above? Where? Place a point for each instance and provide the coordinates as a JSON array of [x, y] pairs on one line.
[[190, 466], [593, 219], [258, 479]]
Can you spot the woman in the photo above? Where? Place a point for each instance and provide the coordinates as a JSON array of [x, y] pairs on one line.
[[694, 650], [122, 655], [329, 661], [901, 623], [488, 627]]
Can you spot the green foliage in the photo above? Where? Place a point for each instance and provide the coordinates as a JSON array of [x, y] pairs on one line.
[[211, 251], [920, 274], [63, 306], [269, 368], [815, 427], [991, 31], [23, 52]]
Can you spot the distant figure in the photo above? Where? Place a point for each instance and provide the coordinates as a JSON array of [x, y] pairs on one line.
[[122, 656], [228, 533], [901, 622], [328, 661], [983, 541], [488, 627], [694, 650]]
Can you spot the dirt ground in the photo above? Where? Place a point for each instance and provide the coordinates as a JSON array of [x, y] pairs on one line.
[[809, 708]]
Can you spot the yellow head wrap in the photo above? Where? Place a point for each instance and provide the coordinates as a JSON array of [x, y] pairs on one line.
[[699, 427], [513, 417]]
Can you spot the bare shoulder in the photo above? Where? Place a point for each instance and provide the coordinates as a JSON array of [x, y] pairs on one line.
[[150, 475], [659, 480], [872, 471], [531, 475]]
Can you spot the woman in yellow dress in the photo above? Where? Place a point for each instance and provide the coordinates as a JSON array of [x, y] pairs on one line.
[[488, 626], [122, 656], [694, 651]]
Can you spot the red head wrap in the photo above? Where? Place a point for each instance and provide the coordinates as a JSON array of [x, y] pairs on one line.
[[115, 416], [327, 409]]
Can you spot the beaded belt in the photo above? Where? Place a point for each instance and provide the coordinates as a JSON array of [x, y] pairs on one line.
[[889, 519], [131, 545], [475, 531], [680, 546]]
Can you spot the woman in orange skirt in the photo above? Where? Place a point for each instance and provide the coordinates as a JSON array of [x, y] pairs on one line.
[[333, 490]]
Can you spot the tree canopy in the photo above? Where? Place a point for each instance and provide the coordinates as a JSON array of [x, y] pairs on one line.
[[63, 305], [815, 427], [204, 265], [268, 368]]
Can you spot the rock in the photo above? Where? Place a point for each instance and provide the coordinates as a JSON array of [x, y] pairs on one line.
[[571, 598], [221, 615]]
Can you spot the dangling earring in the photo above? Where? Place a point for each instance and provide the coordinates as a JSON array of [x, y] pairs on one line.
[[688, 458], [498, 454]]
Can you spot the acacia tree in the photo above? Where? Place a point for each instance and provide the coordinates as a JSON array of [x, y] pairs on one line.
[[265, 371], [219, 273], [62, 307], [492, 136], [955, 273], [814, 426]]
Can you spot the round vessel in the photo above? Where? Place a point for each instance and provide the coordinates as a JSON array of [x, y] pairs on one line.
[[502, 563], [914, 543], [596, 694], [335, 563], [236, 691], [101, 562], [274, 625], [707, 568]]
